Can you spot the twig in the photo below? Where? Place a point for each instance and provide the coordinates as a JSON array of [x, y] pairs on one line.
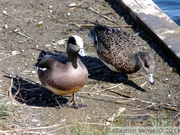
[[119, 84], [172, 108], [92, 88], [9, 56], [36, 128], [107, 18], [10, 89], [87, 123], [84, 25], [18, 89], [24, 35], [49, 127], [110, 87], [165, 106], [176, 116], [91, 23], [80, 25], [121, 94], [72, 5]]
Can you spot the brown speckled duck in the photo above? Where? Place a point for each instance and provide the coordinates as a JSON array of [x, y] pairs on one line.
[[64, 73], [120, 51]]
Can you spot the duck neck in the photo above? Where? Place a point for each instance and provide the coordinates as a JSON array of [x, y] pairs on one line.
[[73, 59], [139, 58]]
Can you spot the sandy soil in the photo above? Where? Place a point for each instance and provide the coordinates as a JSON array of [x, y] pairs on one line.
[[30, 110]]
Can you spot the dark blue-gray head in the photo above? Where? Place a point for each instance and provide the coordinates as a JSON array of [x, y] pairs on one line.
[[148, 65]]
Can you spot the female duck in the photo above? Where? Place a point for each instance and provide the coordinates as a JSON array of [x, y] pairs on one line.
[[120, 51]]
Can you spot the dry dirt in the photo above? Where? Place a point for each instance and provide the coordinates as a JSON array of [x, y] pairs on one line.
[[27, 24]]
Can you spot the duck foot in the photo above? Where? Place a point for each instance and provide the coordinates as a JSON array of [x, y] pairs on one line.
[[74, 105], [56, 103]]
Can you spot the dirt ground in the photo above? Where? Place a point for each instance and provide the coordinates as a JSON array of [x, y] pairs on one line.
[[26, 106]]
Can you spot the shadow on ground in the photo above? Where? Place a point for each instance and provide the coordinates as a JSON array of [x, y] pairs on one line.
[[98, 71], [32, 93]]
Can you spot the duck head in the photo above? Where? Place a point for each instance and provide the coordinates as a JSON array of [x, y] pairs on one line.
[[147, 63], [76, 40]]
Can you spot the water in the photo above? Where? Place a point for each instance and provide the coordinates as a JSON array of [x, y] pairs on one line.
[[171, 8]]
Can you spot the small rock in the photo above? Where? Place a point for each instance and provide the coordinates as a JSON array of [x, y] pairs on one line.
[[5, 26], [47, 45], [62, 120], [169, 95], [60, 42], [14, 52], [33, 72], [68, 14], [40, 22], [72, 5], [25, 64], [34, 120], [4, 12], [22, 50], [50, 7], [38, 124]]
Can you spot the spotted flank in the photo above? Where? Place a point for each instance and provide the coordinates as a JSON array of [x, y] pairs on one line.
[[121, 51]]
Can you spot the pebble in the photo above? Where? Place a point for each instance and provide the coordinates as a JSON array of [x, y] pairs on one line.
[[40, 22], [34, 120], [68, 14], [50, 7], [38, 124], [22, 50], [4, 12], [5, 26], [47, 45], [34, 71], [14, 52], [62, 120], [60, 42], [72, 5]]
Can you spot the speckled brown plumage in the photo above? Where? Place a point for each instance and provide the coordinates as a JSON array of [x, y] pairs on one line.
[[120, 50]]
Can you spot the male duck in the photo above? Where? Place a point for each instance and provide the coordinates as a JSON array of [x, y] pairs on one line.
[[64, 73], [120, 51]]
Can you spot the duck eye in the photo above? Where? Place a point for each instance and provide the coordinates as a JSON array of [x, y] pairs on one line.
[[72, 40]]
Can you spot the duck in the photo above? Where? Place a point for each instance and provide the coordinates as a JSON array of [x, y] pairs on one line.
[[64, 73], [120, 51]]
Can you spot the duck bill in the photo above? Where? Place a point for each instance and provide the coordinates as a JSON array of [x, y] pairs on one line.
[[82, 53], [151, 79]]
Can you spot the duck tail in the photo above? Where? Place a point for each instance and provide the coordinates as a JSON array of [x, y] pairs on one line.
[[42, 54], [98, 25]]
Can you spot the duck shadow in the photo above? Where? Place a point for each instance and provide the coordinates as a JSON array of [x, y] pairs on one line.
[[33, 94], [100, 72]]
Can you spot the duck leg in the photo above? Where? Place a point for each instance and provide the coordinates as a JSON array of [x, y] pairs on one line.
[[58, 106], [73, 104]]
